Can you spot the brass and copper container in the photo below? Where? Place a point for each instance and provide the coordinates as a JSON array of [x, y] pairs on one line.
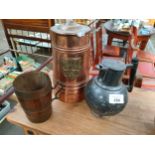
[[71, 53]]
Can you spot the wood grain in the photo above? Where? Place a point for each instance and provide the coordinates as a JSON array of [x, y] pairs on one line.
[[137, 118]]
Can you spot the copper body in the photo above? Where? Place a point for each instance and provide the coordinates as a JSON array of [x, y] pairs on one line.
[[71, 55]]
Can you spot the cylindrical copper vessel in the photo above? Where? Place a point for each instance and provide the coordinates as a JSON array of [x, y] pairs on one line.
[[71, 53]]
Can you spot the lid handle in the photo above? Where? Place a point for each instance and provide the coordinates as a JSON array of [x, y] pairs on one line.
[[72, 23]]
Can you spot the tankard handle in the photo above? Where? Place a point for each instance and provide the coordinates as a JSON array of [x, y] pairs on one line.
[[133, 66], [58, 91]]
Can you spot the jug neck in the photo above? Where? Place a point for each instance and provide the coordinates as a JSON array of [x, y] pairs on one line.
[[110, 77]]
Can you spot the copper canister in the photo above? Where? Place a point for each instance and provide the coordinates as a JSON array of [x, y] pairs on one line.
[[71, 53]]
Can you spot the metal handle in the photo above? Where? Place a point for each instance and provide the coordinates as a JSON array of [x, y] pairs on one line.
[[59, 90], [129, 66]]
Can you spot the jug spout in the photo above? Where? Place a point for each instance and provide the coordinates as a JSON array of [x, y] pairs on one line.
[[101, 72]]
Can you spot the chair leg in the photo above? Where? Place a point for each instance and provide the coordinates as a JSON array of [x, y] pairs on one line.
[[110, 38]]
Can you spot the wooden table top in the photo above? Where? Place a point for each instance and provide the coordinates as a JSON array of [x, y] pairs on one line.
[[136, 118]]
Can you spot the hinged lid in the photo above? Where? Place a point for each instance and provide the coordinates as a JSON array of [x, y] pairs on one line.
[[71, 28], [113, 64]]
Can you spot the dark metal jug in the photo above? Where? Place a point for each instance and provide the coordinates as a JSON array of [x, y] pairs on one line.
[[106, 94]]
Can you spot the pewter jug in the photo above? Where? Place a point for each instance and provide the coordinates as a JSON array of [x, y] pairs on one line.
[[106, 94]]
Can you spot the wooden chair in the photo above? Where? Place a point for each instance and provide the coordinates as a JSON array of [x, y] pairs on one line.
[[124, 36], [30, 35], [146, 66], [105, 51]]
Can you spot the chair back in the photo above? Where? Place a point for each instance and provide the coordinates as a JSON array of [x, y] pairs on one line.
[[30, 35]]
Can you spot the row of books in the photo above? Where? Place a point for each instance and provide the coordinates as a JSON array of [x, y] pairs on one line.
[[8, 76], [6, 82], [8, 65]]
